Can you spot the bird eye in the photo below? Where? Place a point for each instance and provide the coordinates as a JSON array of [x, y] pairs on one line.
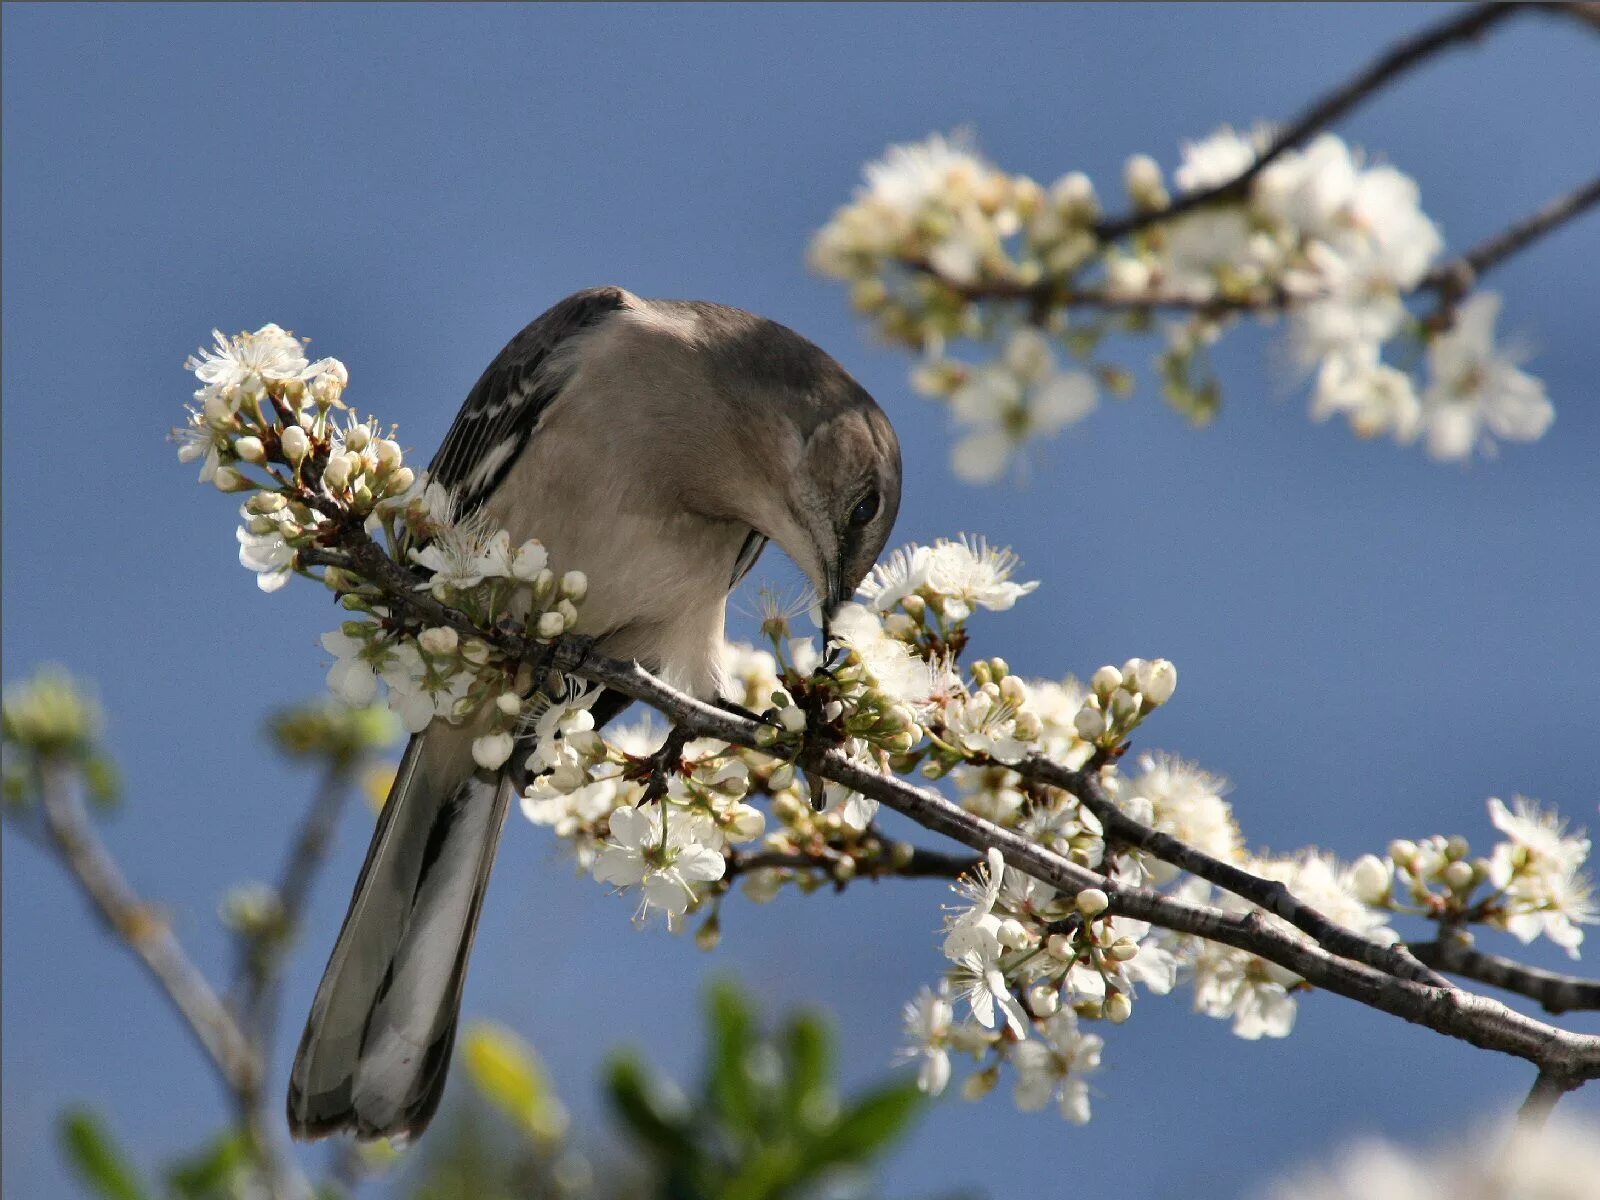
[[866, 508]]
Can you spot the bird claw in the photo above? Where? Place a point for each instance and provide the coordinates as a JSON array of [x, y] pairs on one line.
[[659, 766]]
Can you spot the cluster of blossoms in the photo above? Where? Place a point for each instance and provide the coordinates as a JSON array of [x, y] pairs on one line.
[[268, 422], [1029, 970], [940, 245], [1532, 883], [1559, 1161]]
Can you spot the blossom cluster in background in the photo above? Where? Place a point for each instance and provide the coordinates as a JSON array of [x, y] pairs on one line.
[[1030, 974], [942, 246], [1560, 1161]]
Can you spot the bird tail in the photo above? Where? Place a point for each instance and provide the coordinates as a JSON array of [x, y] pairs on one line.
[[376, 1047]]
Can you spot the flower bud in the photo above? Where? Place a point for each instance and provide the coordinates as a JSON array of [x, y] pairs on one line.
[[914, 606], [766, 735], [1118, 1008], [388, 453], [1124, 706], [575, 586], [266, 502], [1459, 875], [980, 1083], [250, 449], [1456, 847], [1092, 902], [1044, 999], [475, 651], [1142, 177], [569, 613], [1029, 727], [792, 719], [358, 438], [1090, 723], [1059, 946], [1158, 681], [1402, 851], [296, 445], [1013, 691], [491, 751], [1105, 681], [509, 703], [337, 473], [709, 933], [227, 479], [402, 480], [529, 561], [1369, 879], [781, 777], [440, 639], [898, 625], [1012, 934], [1123, 950], [746, 823], [551, 625]]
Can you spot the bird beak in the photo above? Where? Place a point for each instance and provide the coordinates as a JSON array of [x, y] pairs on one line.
[[830, 604]]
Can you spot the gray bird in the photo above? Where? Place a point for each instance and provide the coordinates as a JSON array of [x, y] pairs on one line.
[[657, 445]]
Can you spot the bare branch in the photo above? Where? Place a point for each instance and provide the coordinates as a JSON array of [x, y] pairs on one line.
[[1547, 1090], [139, 924], [1555, 993], [1463, 26], [1454, 279]]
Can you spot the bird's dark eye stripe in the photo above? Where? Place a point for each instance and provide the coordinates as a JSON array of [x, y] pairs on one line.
[[866, 508]]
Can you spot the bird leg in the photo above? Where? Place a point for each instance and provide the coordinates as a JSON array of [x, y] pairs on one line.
[[658, 767]]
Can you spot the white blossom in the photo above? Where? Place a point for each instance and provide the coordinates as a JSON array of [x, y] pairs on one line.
[[352, 677], [1476, 391], [268, 353], [928, 1018], [975, 575], [1053, 1066], [1539, 868], [464, 554], [664, 865]]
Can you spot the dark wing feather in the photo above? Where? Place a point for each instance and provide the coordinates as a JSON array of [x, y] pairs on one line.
[[505, 404], [754, 544]]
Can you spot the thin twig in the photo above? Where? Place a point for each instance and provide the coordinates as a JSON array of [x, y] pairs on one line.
[[1462, 26], [1454, 279], [261, 959], [1547, 1090], [146, 933], [1556, 993]]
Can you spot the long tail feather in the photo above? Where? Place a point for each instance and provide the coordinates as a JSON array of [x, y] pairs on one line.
[[377, 1044]]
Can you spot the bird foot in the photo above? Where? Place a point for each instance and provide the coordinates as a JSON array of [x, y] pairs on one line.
[[659, 766]]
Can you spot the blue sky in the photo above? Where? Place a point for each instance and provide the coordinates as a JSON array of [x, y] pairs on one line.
[[1370, 644]]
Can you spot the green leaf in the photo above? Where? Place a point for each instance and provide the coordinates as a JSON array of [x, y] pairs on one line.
[[221, 1171], [868, 1126], [508, 1074], [733, 1043], [97, 1159], [809, 1100], [657, 1114]]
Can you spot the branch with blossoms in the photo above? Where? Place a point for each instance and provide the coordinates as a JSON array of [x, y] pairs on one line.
[[941, 246], [1091, 881]]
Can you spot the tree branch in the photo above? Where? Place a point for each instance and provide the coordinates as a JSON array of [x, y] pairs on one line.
[[1472, 1018], [1547, 1090], [138, 924], [1463, 26], [1268, 894], [1555, 993], [1454, 279], [236, 1049]]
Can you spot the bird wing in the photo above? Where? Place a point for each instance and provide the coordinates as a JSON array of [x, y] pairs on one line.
[[504, 406]]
